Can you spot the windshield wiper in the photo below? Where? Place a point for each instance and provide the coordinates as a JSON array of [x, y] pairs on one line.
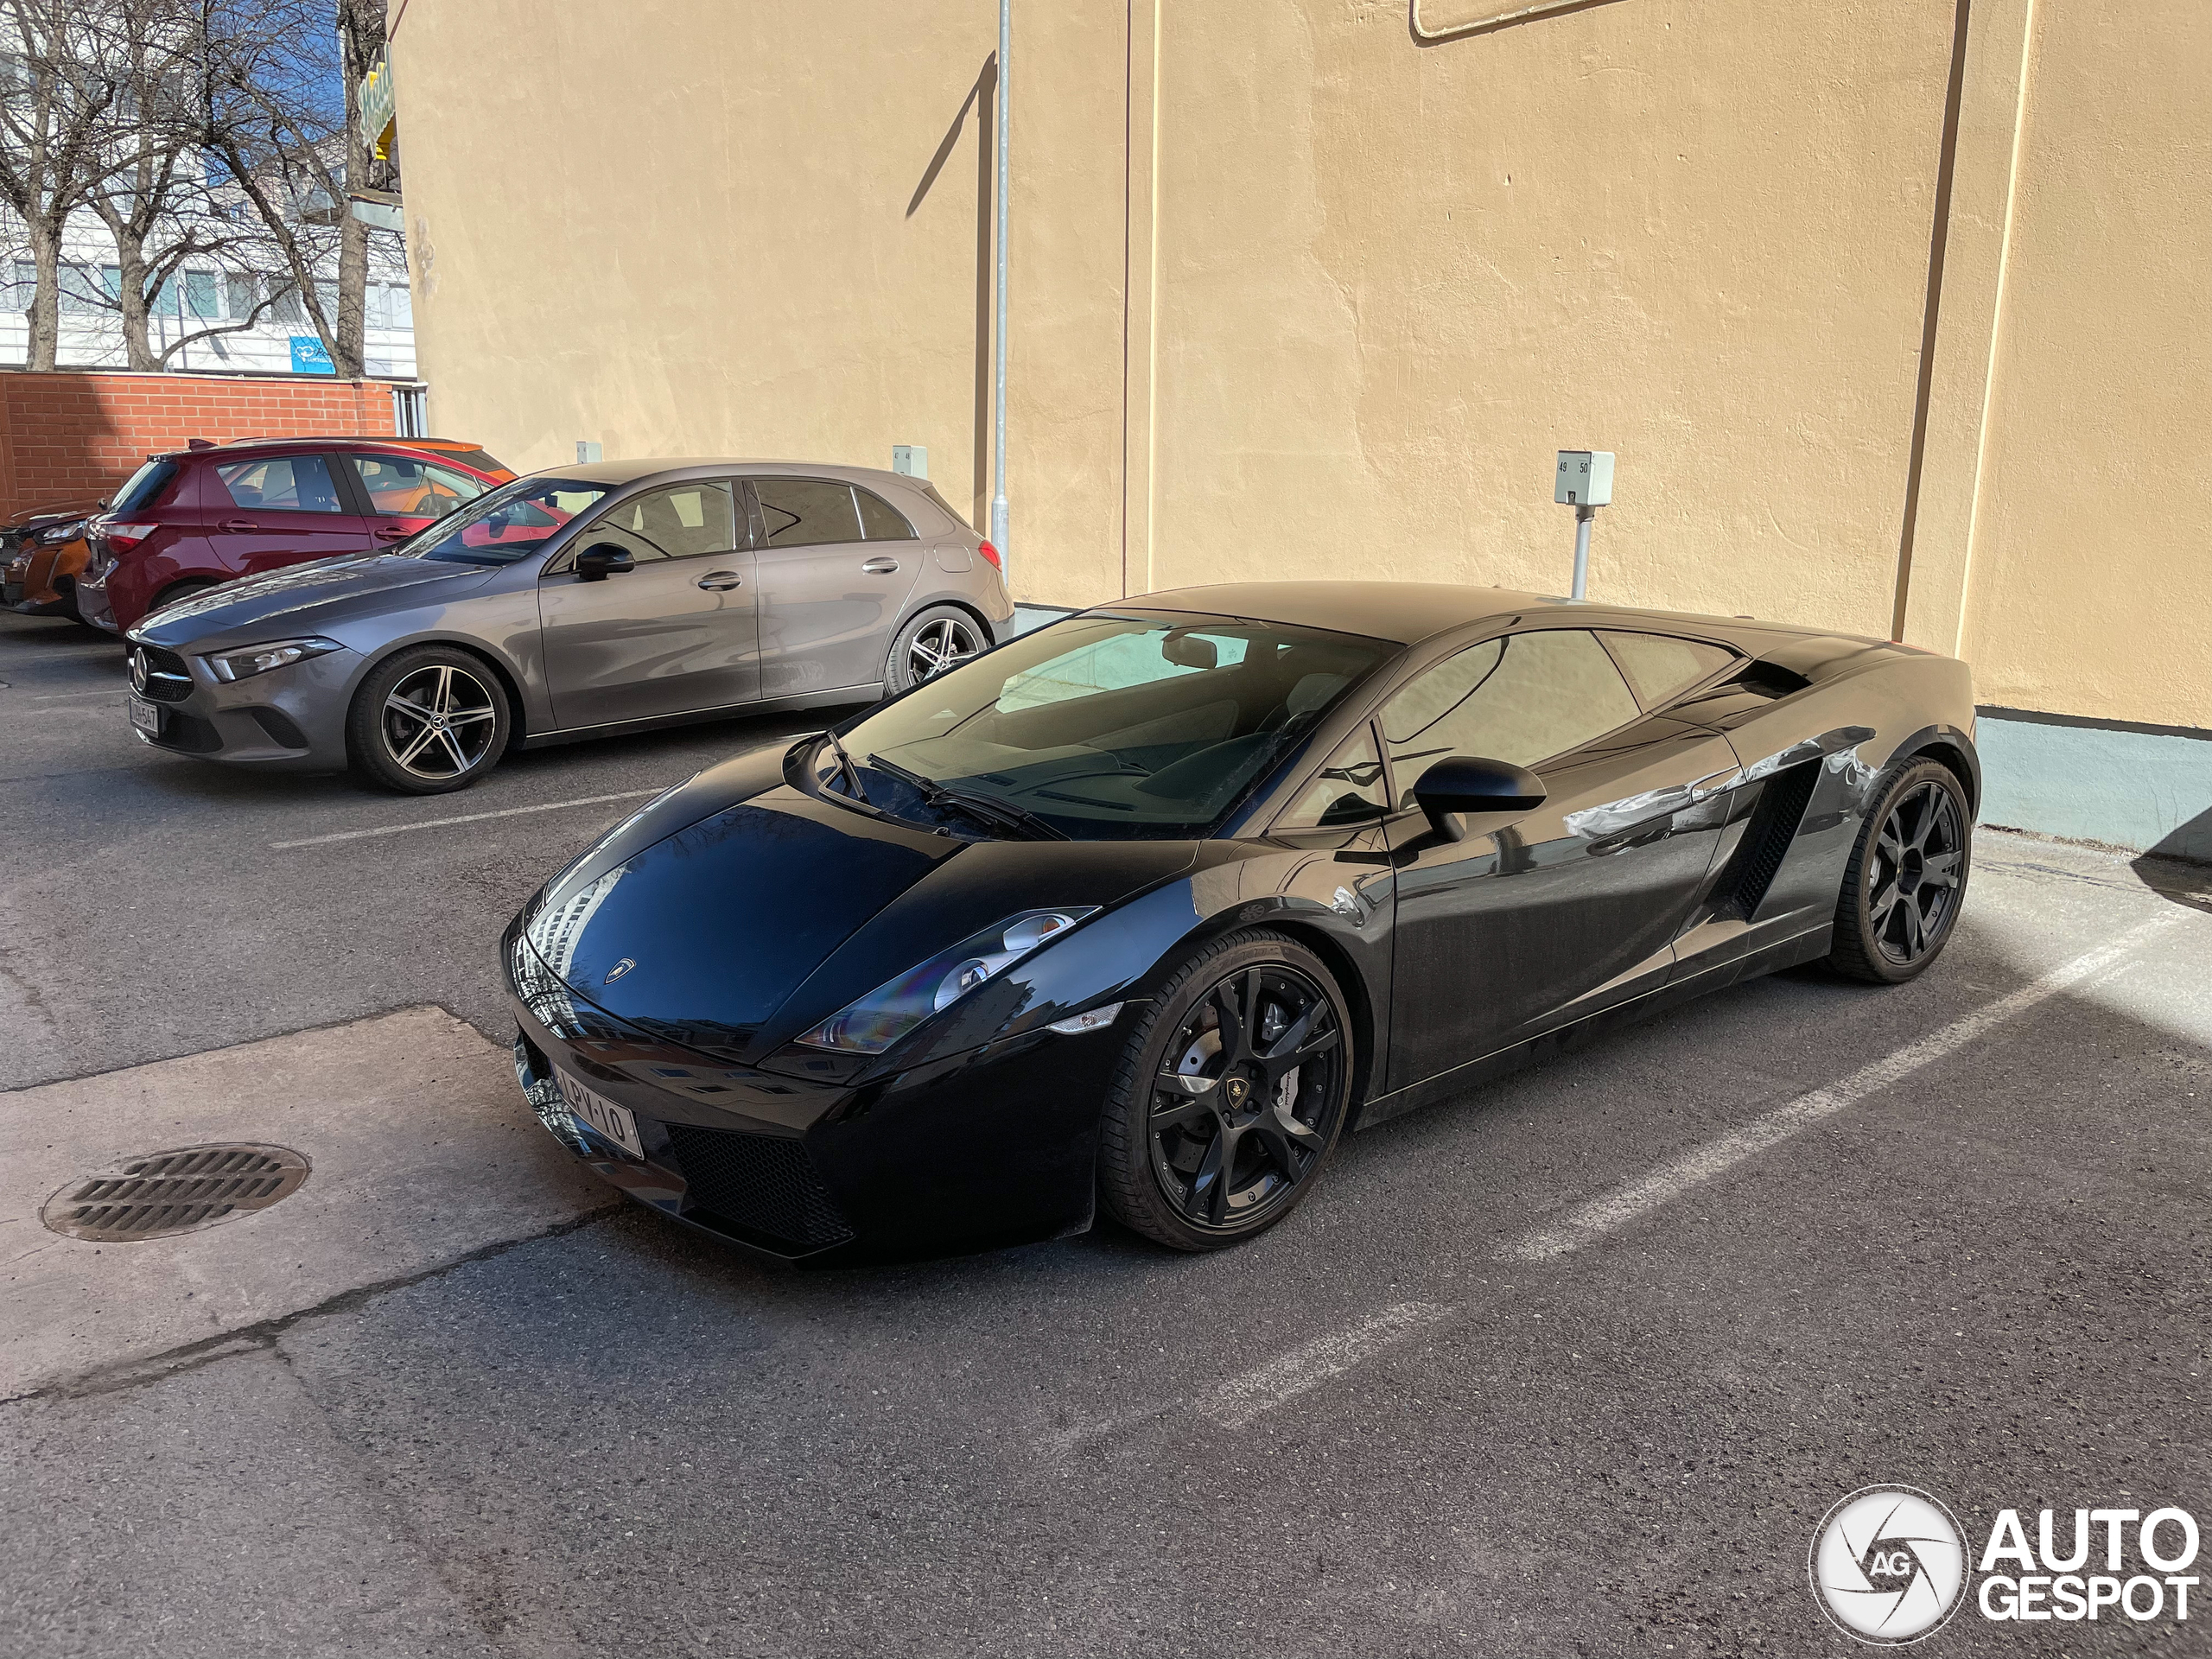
[[987, 808], [845, 765]]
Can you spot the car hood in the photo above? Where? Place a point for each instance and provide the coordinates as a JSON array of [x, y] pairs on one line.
[[732, 925], [302, 598]]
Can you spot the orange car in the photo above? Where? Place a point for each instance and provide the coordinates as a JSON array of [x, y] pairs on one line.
[[41, 554]]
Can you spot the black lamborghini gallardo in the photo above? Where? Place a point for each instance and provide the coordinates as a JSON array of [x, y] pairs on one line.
[[1148, 908]]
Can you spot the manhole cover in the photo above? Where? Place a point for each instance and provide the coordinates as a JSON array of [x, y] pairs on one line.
[[162, 1193]]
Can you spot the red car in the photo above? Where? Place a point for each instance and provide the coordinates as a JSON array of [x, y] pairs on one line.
[[203, 515]]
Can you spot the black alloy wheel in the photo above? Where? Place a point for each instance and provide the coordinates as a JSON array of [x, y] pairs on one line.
[[942, 637], [430, 721], [1231, 1097], [1907, 876]]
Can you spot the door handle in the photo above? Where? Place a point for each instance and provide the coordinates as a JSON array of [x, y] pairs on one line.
[[237, 523], [391, 532], [720, 581], [879, 567]]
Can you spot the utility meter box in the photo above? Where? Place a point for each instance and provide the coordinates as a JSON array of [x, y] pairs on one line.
[[911, 459], [1585, 478]]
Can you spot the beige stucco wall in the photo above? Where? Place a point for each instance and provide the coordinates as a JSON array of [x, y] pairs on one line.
[[1296, 293], [2089, 583]]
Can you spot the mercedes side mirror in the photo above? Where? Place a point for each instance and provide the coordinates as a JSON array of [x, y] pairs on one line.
[[603, 559], [1466, 782]]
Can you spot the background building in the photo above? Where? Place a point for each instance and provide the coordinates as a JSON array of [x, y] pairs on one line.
[[280, 340], [1894, 313]]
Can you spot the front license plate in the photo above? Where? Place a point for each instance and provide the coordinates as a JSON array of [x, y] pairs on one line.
[[595, 1112], [146, 716]]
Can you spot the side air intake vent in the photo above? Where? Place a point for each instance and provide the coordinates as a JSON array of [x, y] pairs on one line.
[[1773, 826], [1769, 679]]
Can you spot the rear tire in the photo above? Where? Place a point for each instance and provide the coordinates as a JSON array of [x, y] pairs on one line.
[[428, 721], [1907, 878], [1231, 1095], [942, 637], [177, 590]]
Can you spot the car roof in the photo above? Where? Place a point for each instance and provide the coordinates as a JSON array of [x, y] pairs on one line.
[[617, 472], [1408, 612], [1403, 611], [458, 447]]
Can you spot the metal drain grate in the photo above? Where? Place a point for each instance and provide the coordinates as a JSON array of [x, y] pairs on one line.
[[158, 1193]]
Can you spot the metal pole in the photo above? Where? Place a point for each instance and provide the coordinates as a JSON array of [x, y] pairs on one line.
[[1583, 515], [999, 509]]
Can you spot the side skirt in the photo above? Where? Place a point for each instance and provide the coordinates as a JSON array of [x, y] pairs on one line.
[[1771, 958], [848, 694]]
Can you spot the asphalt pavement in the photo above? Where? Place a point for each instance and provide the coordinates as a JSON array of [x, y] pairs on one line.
[[1573, 1365]]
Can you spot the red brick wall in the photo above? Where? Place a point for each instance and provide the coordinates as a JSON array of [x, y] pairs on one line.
[[73, 434]]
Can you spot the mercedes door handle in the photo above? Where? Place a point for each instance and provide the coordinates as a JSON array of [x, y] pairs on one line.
[[237, 523], [879, 567], [720, 581]]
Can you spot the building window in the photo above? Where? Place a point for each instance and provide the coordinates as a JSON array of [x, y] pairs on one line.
[[203, 295]]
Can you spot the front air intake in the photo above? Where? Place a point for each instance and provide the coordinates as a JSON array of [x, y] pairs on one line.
[[759, 1184]]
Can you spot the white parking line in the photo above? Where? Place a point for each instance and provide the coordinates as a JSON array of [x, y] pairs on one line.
[[1235, 1402], [1591, 1222], [1241, 1399], [465, 817]]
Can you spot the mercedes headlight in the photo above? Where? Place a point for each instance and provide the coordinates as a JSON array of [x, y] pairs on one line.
[[259, 659], [893, 1009]]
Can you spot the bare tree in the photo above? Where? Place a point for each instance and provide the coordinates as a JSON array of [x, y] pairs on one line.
[[55, 102], [284, 84]]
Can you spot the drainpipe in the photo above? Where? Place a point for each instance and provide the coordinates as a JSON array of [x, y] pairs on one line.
[[999, 512]]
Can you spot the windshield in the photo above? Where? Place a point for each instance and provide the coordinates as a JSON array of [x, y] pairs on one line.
[[1107, 728], [512, 522]]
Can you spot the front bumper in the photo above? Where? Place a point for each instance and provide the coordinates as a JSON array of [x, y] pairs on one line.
[[993, 1146], [290, 719]]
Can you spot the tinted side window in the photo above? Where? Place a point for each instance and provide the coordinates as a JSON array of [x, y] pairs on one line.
[[804, 511], [1520, 699], [282, 484], [1349, 790], [676, 523], [414, 489], [1659, 666], [882, 521]]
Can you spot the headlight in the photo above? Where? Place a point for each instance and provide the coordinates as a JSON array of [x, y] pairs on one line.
[[259, 659], [893, 1009], [65, 532]]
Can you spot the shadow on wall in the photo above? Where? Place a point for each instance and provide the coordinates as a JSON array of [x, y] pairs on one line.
[[983, 98], [59, 442]]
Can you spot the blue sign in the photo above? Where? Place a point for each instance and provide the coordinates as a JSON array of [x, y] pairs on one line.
[[310, 357]]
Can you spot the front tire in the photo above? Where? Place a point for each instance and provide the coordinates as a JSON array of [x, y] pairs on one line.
[[428, 721], [1231, 1095], [942, 637], [1907, 876]]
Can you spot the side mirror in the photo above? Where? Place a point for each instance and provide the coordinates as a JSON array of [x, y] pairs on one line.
[[603, 559], [1466, 783]]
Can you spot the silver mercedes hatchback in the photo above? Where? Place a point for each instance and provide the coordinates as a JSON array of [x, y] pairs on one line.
[[581, 602]]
